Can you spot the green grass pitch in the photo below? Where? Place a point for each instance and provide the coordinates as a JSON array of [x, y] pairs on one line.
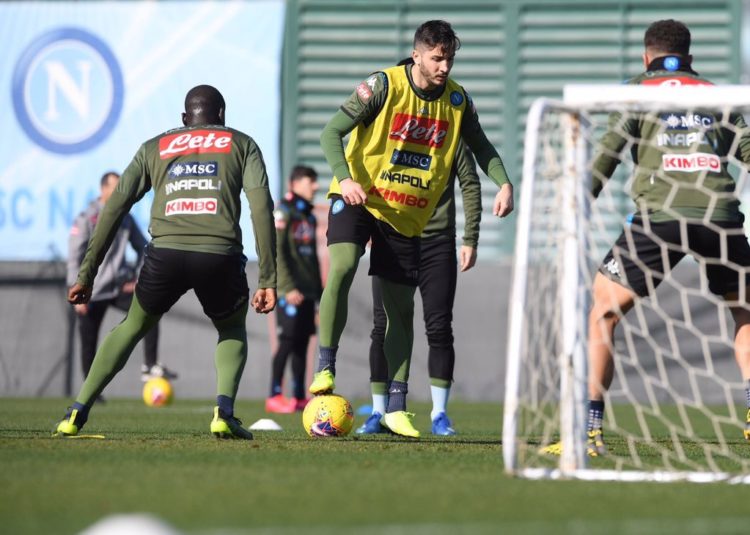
[[165, 462]]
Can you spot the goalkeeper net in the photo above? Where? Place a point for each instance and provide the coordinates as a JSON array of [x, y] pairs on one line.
[[676, 409]]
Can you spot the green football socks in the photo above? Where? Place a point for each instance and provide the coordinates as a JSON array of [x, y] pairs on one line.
[[115, 351], [334, 303], [231, 352]]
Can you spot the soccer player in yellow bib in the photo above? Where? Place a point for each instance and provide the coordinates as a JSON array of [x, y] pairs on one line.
[[406, 123]]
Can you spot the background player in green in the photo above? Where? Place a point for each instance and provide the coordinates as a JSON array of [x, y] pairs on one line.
[[400, 119], [299, 286], [197, 174], [684, 197], [437, 286]]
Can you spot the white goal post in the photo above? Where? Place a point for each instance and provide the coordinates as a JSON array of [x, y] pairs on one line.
[[676, 409]]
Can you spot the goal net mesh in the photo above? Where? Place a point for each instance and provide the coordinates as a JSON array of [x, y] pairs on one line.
[[676, 408]]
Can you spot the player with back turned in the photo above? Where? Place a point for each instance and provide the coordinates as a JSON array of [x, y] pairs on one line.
[[685, 201], [406, 124], [197, 173]]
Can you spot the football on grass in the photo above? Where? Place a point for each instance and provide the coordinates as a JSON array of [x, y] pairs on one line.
[[328, 416], [157, 392]]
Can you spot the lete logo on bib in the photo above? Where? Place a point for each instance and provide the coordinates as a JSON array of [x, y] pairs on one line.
[[419, 130]]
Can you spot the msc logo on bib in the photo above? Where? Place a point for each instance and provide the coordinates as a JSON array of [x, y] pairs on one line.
[[67, 90]]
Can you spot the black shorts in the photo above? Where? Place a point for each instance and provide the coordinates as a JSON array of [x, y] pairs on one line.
[[219, 281], [393, 256], [641, 261], [295, 321]]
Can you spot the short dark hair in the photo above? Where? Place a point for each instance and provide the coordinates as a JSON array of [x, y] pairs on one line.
[[437, 33], [301, 171], [668, 36], [105, 177], [204, 100]]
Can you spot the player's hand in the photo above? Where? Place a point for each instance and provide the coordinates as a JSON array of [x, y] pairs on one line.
[[467, 257], [503, 204], [295, 297], [352, 192], [264, 300], [81, 309], [128, 287], [79, 294]]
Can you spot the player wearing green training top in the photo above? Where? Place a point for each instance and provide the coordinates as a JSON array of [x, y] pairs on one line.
[[406, 124], [685, 201], [197, 173]]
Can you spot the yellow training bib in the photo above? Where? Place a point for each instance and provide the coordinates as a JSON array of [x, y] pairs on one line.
[[403, 159]]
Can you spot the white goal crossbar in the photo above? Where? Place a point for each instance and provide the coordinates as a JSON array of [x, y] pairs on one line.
[[605, 97]]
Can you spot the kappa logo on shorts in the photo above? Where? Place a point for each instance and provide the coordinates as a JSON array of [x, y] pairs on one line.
[[613, 267], [337, 206]]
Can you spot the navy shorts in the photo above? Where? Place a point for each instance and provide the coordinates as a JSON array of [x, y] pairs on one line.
[[393, 256], [219, 281], [639, 260]]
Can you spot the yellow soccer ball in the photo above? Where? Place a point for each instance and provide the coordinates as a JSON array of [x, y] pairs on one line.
[[328, 416], [157, 392]]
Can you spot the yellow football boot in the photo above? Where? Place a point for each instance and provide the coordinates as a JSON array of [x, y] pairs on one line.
[[399, 423], [323, 383]]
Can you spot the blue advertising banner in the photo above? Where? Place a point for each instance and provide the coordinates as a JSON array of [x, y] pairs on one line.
[[85, 83]]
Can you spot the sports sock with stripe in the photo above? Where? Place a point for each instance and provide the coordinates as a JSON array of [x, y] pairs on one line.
[[596, 414]]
